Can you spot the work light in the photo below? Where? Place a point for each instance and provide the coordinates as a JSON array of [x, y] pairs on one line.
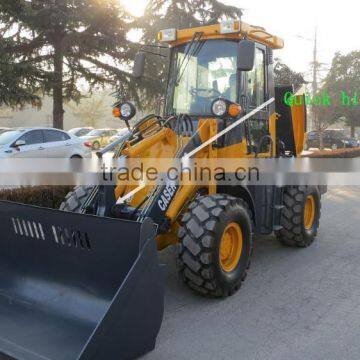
[[229, 27], [167, 35], [126, 111]]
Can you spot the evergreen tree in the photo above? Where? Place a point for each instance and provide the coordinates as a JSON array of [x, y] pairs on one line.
[[18, 82], [342, 84], [53, 45], [285, 76], [163, 14]]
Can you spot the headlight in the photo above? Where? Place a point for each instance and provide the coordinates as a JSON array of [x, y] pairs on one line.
[[219, 107], [222, 107]]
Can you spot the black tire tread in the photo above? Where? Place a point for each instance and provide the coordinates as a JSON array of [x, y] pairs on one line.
[[292, 218], [196, 244], [76, 198]]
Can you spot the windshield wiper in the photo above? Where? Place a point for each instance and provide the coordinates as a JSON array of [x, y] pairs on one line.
[[194, 48]]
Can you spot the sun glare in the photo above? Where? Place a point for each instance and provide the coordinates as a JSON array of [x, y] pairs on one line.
[[135, 7]]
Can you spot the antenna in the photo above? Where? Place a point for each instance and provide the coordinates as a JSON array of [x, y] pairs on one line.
[[315, 66]]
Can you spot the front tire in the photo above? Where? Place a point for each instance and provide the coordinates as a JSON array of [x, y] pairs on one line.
[[216, 243], [76, 199], [301, 216]]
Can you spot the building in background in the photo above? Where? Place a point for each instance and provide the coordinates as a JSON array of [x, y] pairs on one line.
[[94, 111]]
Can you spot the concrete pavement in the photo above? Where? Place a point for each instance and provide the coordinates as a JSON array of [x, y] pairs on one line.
[[296, 304]]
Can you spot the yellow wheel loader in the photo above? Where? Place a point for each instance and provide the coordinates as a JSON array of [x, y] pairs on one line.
[[84, 282]]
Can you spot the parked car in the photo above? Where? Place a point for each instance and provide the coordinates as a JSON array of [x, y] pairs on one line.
[[82, 131], [2, 130], [118, 135], [41, 143], [98, 138], [333, 139]]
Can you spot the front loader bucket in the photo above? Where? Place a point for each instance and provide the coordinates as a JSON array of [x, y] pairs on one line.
[[77, 286]]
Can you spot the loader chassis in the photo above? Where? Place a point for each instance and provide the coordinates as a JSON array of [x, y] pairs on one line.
[[241, 142], [202, 69], [86, 278]]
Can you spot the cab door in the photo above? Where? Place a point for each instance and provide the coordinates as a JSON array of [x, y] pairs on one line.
[[253, 94]]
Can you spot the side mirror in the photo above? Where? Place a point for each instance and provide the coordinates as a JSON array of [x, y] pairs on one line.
[[19, 143], [246, 55], [139, 65]]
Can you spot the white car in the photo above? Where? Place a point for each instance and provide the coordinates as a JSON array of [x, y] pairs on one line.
[[42, 143], [2, 130]]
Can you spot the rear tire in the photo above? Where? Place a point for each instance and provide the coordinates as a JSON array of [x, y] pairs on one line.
[[75, 199], [300, 227], [205, 264]]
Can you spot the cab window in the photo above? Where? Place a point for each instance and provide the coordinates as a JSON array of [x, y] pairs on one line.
[[255, 94], [255, 89]]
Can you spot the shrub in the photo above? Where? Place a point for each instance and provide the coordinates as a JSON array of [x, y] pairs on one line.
[[44, 196], [338, 154]]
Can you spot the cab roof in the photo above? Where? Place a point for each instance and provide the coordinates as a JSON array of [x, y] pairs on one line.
[[250, 32]]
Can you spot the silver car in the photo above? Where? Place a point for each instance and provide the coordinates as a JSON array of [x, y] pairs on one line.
[[80, 131], [41, 143]]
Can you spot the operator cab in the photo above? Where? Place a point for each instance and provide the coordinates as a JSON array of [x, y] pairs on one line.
[[232, 62], [227, 60], [216, 68]]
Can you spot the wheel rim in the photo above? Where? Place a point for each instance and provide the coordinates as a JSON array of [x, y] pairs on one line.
[[231, 247], [309, 212]]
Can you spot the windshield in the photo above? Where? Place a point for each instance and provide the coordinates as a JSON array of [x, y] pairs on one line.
[[79, 132], [72, 131], [95, 133], [197, 79], [9, 136]]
